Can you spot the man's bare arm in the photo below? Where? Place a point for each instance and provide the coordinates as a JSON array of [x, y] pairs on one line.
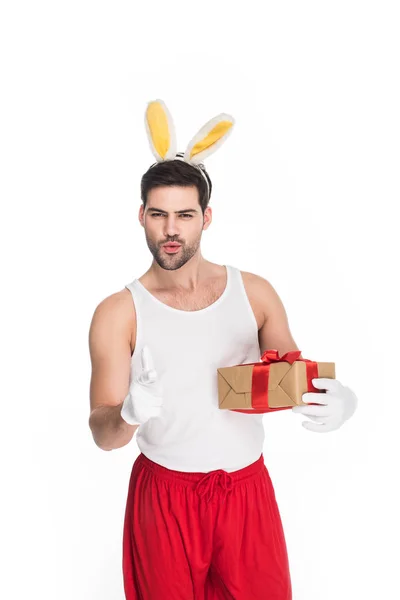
[[275, 332], [110, 354]]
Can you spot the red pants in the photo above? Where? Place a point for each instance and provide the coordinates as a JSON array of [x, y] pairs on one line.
[[197, 536]]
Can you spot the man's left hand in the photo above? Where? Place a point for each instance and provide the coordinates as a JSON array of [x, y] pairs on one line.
[[335, 406]]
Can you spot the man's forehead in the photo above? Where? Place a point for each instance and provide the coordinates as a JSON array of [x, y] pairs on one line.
[[173, 199]]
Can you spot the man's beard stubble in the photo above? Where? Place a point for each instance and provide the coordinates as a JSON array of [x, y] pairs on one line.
[[172, 262]]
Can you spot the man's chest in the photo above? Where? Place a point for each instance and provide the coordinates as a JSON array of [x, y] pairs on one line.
[[204, 298]]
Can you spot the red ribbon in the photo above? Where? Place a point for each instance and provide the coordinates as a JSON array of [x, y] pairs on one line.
[[260, 379]]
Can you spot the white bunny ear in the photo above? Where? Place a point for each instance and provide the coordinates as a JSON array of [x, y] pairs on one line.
[[160, 130], [209, 138]]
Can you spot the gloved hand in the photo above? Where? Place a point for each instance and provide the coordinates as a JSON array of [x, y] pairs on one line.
[[335, 406], [144, 399]]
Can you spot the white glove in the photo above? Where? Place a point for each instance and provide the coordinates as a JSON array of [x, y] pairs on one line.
[[144, 399], [336, 405]]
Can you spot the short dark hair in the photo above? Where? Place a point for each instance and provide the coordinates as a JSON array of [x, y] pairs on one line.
[[176, 172]]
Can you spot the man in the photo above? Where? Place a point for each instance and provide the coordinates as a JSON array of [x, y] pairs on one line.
[[201, 521]]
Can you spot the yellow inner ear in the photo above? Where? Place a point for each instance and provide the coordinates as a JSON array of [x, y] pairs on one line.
[[158, 125], [216, 133]]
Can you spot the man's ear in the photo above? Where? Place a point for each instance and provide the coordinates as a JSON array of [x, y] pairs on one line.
[[141, 215], [207, 218]]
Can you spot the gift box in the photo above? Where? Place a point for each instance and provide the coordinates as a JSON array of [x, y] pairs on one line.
[[275, 383]]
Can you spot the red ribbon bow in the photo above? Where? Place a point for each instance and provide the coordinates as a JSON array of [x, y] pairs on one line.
[[260, 379]]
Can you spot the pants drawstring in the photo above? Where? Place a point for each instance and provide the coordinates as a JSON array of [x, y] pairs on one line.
[[210, 480]]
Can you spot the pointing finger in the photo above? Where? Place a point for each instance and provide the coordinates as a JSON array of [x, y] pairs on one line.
[[148, 376], [147, 359]]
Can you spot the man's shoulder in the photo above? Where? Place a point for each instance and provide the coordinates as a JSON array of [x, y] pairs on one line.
[[261, 292], [117, 310], [257, 283], [258, 292]]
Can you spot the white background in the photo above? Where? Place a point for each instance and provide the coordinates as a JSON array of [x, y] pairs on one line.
[[306, 194]]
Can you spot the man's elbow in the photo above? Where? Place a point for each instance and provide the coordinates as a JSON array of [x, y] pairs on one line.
[[99, 445]]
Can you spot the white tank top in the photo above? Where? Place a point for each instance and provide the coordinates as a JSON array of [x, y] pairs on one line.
[[192, 433]]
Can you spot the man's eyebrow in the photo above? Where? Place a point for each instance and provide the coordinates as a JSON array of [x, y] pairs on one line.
[[177, 212]]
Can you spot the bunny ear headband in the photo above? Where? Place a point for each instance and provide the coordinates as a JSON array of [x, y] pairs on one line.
[[162, 136]]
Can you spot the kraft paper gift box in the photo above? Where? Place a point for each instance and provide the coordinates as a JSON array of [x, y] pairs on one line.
[[275, 383]]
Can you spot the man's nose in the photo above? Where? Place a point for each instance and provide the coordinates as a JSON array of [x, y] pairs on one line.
[[171, 226]]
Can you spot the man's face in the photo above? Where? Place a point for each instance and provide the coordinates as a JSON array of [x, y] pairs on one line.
[[173, 214]]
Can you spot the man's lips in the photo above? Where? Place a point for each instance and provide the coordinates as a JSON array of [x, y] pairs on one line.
[[171, 248]]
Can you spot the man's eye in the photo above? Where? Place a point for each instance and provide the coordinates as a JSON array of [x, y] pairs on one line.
[[182, 215]]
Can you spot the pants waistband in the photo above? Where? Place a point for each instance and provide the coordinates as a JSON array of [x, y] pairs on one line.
[[205, 482]]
